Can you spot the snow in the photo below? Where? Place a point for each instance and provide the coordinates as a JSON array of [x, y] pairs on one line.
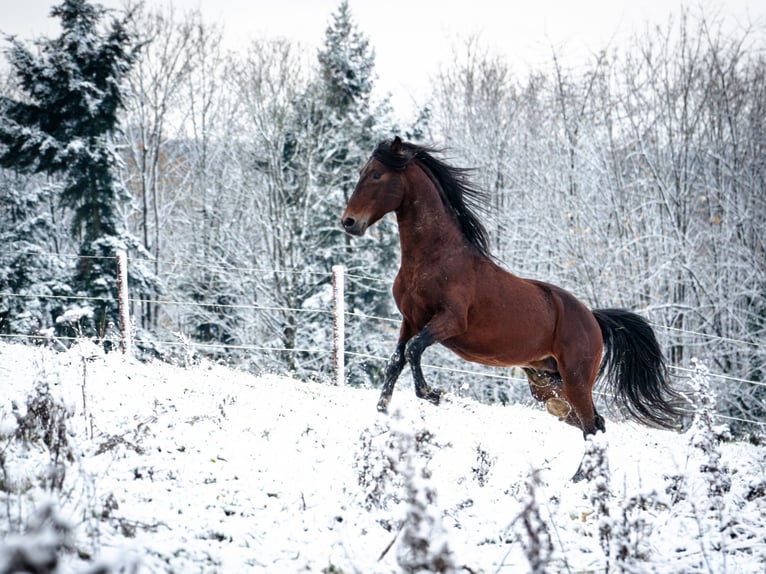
[[74, 315], [206, 469]]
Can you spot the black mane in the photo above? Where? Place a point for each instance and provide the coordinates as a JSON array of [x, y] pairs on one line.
[[461, 198]]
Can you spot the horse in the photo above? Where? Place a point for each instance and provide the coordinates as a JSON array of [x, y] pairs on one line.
[[450, 290]]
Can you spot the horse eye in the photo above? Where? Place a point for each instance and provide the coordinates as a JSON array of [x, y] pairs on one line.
[[377, 175]]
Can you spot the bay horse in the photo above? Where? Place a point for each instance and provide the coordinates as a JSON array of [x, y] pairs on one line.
[[450, 290]]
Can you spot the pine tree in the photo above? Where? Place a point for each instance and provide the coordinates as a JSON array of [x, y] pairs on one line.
[[352, 126], [65, 127], [29, 283], [346, 64]]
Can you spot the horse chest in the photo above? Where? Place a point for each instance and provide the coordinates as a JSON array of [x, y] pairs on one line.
[[420, 295]]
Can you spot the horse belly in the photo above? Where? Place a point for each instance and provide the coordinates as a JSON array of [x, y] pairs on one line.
[[509, 348], [511, 323], [491, 360]]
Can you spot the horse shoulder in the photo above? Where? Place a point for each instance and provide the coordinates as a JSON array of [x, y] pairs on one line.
[[425, 292]]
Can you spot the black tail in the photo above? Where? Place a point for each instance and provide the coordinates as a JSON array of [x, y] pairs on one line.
[[635, 369]]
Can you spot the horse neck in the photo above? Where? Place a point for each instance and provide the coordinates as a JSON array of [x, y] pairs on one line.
[[426, 229]]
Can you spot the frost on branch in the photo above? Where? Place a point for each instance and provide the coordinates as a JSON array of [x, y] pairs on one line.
[[705, 437], [533, 530], [392, 470], [423, 546], [595, 469]]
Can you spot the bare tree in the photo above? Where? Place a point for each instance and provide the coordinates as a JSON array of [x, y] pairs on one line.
[[154, 131], [633, 182], [278, 164]]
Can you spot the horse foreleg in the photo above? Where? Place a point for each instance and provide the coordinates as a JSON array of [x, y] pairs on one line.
[[413, 351], [393, 370]]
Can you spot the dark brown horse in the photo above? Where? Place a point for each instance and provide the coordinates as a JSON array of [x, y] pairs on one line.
[[449, 290]]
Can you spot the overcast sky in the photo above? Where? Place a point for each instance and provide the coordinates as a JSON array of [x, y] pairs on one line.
[[412, 38]]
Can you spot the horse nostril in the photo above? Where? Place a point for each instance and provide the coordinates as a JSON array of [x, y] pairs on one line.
[[348, 222]]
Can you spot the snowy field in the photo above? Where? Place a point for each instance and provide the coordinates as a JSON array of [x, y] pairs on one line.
[[159, 468]]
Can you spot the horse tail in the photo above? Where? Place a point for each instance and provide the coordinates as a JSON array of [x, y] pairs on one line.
[[635, 370]]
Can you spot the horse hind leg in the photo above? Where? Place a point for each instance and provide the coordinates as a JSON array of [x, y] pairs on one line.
[[579, 394], [546, 387]]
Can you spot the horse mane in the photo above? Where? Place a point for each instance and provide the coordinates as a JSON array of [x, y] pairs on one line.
[[461, 197]]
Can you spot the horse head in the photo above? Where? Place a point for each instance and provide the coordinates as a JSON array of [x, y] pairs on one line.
[[379, 191]]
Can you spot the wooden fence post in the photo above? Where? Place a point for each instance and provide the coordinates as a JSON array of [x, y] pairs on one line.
[[122, 302], [338, 324]]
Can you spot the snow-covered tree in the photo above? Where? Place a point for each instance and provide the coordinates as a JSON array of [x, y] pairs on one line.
[[65, 126], [281, 230], [306, 134], [352, 124], [211, 190], [30, 272], [347, 63], [156, 162]]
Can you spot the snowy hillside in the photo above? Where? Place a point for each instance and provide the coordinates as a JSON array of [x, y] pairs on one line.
[[156, 468]]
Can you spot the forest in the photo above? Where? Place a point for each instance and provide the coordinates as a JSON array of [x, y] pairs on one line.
[[635, 180]]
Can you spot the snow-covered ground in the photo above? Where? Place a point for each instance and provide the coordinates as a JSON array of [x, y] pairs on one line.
[[159, 468]]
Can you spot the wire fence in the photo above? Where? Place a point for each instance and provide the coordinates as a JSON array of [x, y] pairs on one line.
[[679, 372]]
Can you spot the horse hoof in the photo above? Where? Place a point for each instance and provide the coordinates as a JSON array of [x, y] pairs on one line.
[[435, 396], [383, 406], [558, 408]]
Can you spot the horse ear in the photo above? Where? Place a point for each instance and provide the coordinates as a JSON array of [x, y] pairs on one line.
[[396, 146]]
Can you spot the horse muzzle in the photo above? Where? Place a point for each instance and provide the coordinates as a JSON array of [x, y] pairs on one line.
[[354, 226]]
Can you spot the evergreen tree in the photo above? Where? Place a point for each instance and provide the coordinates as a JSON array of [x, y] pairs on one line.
[[352, 126], [65, 127], [346, 64], [310, 142], [29, 283]]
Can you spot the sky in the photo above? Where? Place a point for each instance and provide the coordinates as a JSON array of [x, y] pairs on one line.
[[413, 38]]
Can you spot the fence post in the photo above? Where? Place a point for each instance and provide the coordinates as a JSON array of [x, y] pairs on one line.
[[338, 324], [122, 302]]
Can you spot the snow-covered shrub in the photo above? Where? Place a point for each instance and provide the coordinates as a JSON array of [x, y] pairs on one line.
[[595, 469], [714, 521], [624, 529], [378, 461], [483, 466], [376, 472], [677, 487], [705, 437], [423, 545], [38, 549], [533, 530], [632, 530], [42, 422], [76, 321], [36, 458], [392, 470], [187, 355]]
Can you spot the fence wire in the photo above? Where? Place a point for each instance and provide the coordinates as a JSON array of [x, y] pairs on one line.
[[682, 372]]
